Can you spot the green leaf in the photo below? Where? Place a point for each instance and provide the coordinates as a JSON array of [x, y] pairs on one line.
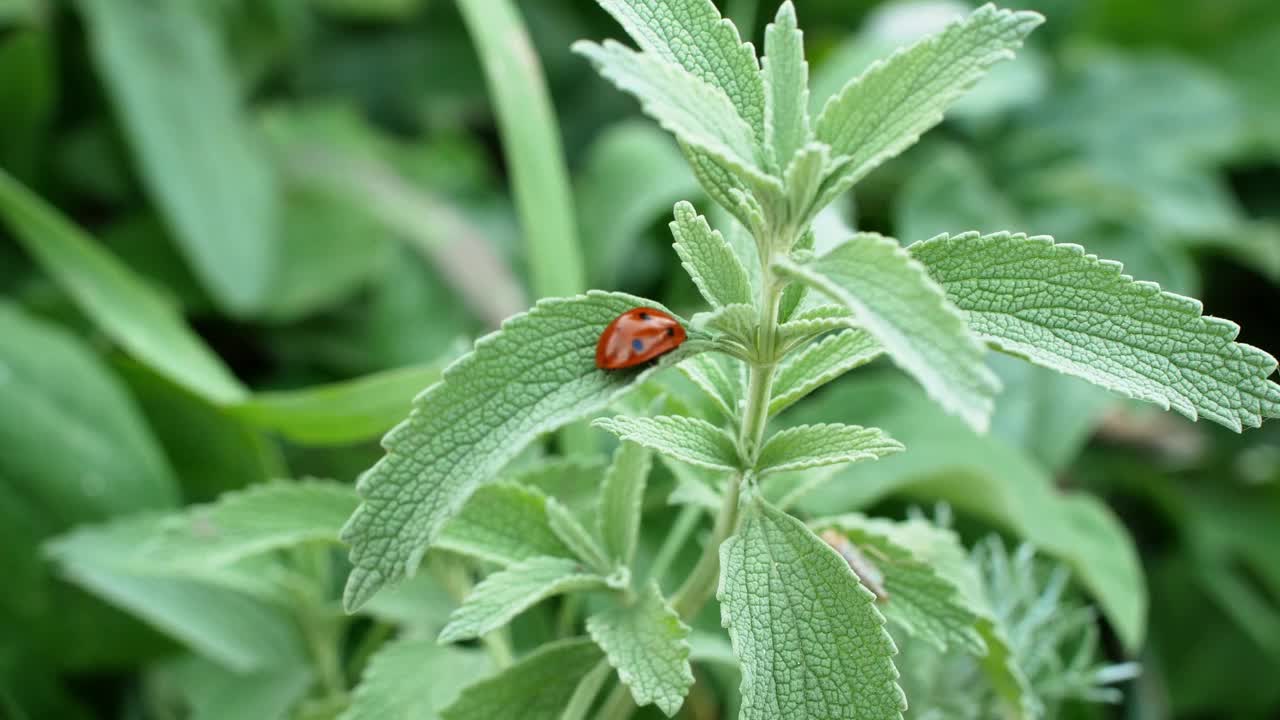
[[538, 372], [709, 260], [176, 95], [531, 145], [980, 475], [649, 645], [212, 692], [886, 109], [250, 522], [585, 546], [818, 364], [896, 302], [632, 174], [1061, 308], [536, 688], [780, 584], [786, 81], [393, 689], [621, 498], [343, 412], [719, 377], [737, 323], [692, 35], [504, 523], [922, 601], [571, 479], [809, 446], [811, 320], [698, 114], [686, 439], [223, 625], [509, 592], [77, 446], [127, 309]]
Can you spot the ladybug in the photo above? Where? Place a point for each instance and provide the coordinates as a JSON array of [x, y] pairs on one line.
[[637, 336]]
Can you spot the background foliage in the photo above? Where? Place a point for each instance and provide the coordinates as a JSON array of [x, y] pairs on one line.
[[239, 236]]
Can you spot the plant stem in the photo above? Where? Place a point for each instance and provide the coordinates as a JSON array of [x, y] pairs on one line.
[[683, 526], [457, 582]]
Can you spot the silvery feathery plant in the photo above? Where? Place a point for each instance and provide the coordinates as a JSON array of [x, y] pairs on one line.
[[786, 316]]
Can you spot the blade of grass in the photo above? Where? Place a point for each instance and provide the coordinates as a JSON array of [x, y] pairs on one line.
[[531, 142]]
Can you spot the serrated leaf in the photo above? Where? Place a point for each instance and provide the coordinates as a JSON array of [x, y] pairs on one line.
[[803, 180], [809, 446], [786, 81], [886, 109], [340, 413], [737, 323], [700, 115], [708, 259], [922, 601], [818, 364], [503, 523], [78, 449], [979, 475], [809, 322], [781, 585], [229, 627], [691, 34], [538, 372], [897, 303], [392, 687], [621, 498], [575, 536], [1059, 307], [127, 309], [649, 645], [507, 593], [722, 384], [249, 522], [536, 688], [686, 439], [176, 95]]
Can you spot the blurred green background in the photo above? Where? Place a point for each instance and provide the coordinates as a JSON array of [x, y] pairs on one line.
[[332, 190]]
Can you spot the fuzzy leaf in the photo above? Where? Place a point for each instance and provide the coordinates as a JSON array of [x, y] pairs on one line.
[[713, 375], [708, 259], [536, 688], [535, 374], [698, 114], [1059, 307], [895, 301], [737, 323], [808, 635], [786, 81], [503, 523], [393, 689], [250, 522], [649, 645], [507, 593], [621, 497], [686, 439], [176, 93], [691, 34], [922, 601], [565, 524], [809, 322], [818, 364], [886, 109], [810, 446]]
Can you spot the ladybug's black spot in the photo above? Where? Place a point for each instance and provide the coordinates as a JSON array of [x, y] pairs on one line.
[[644, 316], [671, 332], [637, 345]]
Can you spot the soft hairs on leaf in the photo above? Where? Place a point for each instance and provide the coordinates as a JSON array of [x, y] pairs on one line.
[[808, 635], [709, 259], [533, 375], [649, 645], [809, 446], [686, 439], [893, 298], [536, 688], [886, 109], [1059, 307]]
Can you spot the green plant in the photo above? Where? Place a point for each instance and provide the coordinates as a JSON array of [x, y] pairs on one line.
[[581, 603], [787, 316]]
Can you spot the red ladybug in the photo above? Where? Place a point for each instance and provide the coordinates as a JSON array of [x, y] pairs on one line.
[[637, 336]]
